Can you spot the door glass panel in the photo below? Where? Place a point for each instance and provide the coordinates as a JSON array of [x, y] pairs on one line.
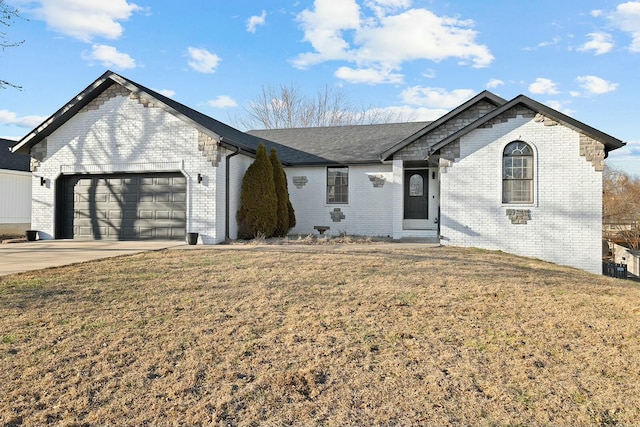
[[416, 186]]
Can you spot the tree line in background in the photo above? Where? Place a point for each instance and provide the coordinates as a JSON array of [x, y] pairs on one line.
[[621, 208], [265, 209]]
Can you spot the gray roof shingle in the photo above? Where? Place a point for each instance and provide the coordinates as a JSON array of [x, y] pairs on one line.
[[12, 161], [344, 144]]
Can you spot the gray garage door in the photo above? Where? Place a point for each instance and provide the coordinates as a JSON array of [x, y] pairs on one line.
[[124, 207]]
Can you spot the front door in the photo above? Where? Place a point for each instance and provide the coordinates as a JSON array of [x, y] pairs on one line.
[[416, 202]]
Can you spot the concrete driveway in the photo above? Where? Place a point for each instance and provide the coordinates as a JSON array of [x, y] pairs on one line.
[[19, 257]]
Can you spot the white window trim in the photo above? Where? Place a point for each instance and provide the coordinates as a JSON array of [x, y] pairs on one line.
[[536, 175], [326, 186]]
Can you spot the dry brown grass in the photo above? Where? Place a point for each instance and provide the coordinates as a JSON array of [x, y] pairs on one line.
[[318, 336]]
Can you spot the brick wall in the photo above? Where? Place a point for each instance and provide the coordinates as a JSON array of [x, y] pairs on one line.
[[119, 132], [563, 225], [368, 213]]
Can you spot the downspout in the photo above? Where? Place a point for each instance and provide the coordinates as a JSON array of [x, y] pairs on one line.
[[226, 192]]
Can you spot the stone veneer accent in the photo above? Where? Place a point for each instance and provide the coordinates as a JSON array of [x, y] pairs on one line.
[[113, 91], [592, 151], [451, 151], [209, 148], [539, 118], [337, 215], [299, 181], [38, 154], [419, 150], [512, 114], [519, 216], [377, 180]]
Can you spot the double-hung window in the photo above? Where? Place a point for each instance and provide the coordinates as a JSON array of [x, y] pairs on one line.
[[337, 185], [517, 173]]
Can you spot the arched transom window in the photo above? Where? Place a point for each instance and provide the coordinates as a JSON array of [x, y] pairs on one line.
[[416, 186], [517, 173]]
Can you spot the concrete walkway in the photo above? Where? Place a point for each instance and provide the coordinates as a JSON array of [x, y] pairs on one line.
[[27, 256]]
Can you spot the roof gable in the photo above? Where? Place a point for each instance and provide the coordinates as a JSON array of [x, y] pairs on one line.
[[224, 134], [609, 142], [484, 96]]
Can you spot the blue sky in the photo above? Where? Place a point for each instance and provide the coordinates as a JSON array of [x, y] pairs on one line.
[[420, 57]]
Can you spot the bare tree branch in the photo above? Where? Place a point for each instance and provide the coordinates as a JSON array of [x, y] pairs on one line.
[[287, 107], [8, 15], [621, 208]]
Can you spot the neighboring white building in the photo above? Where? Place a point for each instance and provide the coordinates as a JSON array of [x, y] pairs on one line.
[[630, 258], [15, 191], [121, 161]]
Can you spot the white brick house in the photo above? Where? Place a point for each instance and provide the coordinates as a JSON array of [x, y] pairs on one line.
[[120, 161]]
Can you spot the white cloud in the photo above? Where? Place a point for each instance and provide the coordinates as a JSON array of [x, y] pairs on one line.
[[86, 19], [600, 43], [10, 118], [560, 106], [202, 60], [543, 87], [546, 43], [429, 74], [323, 28], [630, 151], [494, 83], [404, 114], [254, 21], [341, 31], [427, 114], [434, 97], [626, 17], [596, 85], [166, 92], [367, 75], [383, 7], [626, 158], [596, 13], [223, 101], [552, 42], [109, 57]]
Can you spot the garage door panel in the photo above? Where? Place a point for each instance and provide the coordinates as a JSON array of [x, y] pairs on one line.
[[146, 232], [145, 214], [178, 233], [131, 197], [125, 207], [164, 233], [162, 214]]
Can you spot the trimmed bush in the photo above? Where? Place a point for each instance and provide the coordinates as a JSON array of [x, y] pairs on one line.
[[258, 214], [285, 209]]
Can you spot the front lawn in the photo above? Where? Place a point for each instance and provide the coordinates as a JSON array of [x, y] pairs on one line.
[[318, 336]]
